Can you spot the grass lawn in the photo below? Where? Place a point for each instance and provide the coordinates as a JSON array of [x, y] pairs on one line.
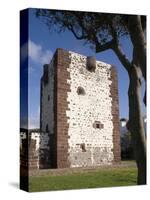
[[93, 179]]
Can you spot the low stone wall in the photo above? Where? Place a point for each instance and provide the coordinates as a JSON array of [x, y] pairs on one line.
[[34, 149]]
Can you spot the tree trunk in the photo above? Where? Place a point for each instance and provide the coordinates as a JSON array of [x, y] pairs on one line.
[[136, 124], [139, 42]]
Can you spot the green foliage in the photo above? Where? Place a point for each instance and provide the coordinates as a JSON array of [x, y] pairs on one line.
[[126, 146]]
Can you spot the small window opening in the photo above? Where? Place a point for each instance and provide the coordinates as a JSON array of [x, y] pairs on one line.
[[81, 91], [82, 146], [48, 97], [98, 124], [45, 76], [47, 129]]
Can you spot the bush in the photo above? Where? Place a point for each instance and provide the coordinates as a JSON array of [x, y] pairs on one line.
[[126, 147]]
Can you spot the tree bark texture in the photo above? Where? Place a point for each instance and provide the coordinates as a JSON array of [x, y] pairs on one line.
[[136, 123], [139, 44]]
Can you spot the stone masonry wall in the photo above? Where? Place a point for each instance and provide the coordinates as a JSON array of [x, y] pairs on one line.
[[47, 99], [38, 145], [79, 119], [79, 109], [61, 90], [32, 141], [53, 108], [47, 106], [90, 145], [115, 114]]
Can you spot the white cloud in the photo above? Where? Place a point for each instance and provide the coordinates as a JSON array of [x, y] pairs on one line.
[[23, 51], [35, 52], [33, 123]]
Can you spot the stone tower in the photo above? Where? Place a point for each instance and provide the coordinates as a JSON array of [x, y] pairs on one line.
[[80, 111]]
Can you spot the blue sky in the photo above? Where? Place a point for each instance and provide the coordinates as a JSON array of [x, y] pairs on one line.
[[42, 45]]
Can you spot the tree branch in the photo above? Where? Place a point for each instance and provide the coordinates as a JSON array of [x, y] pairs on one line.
[[117, 49], [122, 57], [114, 45], [75, 34], [103, 47]]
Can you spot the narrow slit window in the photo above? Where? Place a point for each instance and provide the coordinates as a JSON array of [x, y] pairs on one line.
[[45, 77], [82, 146], [47, 129]]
